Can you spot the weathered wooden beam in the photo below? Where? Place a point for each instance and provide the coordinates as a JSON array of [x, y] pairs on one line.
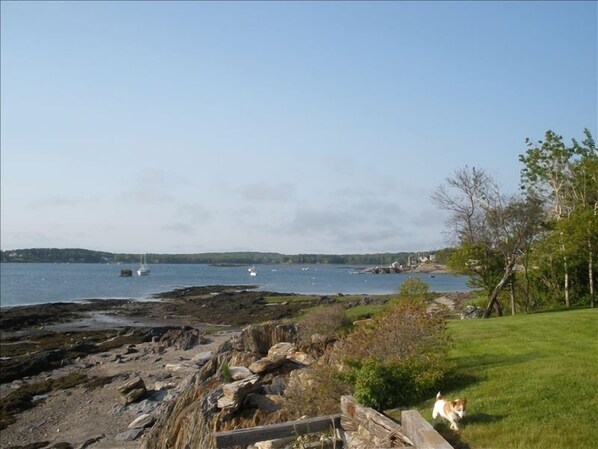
[[371, 425], [421, 431], [276, 431]]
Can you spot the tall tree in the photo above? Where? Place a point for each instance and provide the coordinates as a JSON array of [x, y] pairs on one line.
[[584, 189], [513, 222], [546, 174], [566, 178], [488, 227]]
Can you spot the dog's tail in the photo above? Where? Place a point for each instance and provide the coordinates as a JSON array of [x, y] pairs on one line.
[[438, 396]]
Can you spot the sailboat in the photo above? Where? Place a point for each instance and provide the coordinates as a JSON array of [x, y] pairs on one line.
[[252, 271], [143, 269]]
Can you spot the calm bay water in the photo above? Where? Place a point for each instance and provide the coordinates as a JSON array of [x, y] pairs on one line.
[[37, 283]]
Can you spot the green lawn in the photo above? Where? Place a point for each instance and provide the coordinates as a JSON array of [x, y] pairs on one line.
[[531, 381]]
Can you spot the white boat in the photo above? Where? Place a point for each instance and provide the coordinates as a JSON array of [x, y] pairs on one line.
[[143, 269], [252, 271]]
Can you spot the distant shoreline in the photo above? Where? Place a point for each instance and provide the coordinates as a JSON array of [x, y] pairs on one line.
[[78, 255]]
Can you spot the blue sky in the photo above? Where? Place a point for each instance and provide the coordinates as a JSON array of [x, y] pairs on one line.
[[295, 127]]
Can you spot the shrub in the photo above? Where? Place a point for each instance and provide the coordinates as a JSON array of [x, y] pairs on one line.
[[401, 331], [374, 385], [397, 360], [382, 386], [317, 393], [323, 320], [414, 288]]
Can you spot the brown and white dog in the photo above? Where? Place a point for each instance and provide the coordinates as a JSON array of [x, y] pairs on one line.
[[452, 411]]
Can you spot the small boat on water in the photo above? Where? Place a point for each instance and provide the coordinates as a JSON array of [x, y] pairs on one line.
[[126, 273], [143, 269], [252, 271]]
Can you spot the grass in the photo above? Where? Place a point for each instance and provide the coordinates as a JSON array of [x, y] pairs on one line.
[[362, 312], [353, 313], [277, 299], [531, 381]]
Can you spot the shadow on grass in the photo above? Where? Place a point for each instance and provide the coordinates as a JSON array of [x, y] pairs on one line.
[[486, 360], [453, 437], [457, 380], [483, 418], [561, 309]]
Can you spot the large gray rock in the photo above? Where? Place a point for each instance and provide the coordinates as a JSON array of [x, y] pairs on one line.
[[268, 363], [240, 372], [132, 390], [282, 348], [260, 338], [202, 358], [142, 421], [301, 358], [145, 406], [289, 350], [470, 312], [184, 338], [234, 393]]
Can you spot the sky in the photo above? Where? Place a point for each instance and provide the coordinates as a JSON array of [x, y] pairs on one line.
[[291, 127]]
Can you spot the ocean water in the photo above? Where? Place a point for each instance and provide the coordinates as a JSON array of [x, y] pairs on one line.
[[38, 283]]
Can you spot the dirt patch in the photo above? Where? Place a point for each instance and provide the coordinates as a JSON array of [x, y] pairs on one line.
[[90, 407]]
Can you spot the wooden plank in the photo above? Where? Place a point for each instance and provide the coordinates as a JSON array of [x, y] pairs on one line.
[[276, 431], [421, 432], [371, 425]]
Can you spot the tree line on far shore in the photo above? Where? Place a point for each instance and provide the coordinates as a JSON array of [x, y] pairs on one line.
[[75, 255], [536, 248]]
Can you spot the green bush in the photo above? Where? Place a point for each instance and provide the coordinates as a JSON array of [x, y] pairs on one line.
[[374, 385], [382, 386], [398, 360], [414, 288]]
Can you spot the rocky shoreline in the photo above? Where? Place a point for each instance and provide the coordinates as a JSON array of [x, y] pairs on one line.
[[63, 366], [194, 306], [111, 373]]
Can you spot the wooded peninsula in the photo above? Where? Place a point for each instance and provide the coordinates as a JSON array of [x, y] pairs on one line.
[[76, 255]]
